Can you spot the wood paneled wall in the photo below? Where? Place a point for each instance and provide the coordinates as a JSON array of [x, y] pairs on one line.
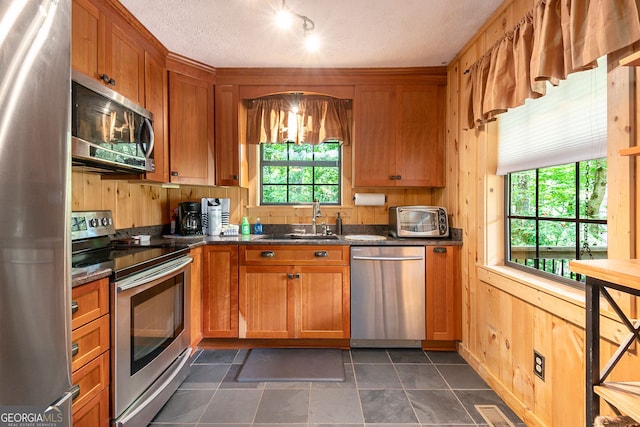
[[136, 204], [507, 314]]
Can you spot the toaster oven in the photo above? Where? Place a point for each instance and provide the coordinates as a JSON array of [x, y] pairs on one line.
[[418, 221]]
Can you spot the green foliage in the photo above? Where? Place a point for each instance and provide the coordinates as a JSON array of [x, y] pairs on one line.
[[556, 212], [300, 173]]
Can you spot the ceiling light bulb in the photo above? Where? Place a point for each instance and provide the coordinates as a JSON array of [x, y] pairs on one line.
[[312, 42], [284, 19]]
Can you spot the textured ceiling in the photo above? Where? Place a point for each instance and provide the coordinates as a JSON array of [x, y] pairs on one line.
[[353, 33]]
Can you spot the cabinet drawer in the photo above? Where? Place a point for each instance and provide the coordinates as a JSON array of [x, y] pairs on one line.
[[95, 413], [88, 302], [92, 378], [294, 254], [89, 341]]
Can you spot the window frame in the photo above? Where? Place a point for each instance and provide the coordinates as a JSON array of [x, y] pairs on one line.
[[302, 163], [577, 221]]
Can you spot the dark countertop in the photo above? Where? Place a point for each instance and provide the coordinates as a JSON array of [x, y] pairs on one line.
[[86, 277], [266, 239]]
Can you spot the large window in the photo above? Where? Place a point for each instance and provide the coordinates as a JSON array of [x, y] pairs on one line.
[[556, 214], [299, 173]]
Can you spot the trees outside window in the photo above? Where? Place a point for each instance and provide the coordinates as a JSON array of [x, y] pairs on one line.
[[292, 174], [556, 214]]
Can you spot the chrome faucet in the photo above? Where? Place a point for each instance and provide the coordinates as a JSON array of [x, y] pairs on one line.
[[316, 213]]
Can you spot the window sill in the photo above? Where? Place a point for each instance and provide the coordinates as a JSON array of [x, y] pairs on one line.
[[553, 288]]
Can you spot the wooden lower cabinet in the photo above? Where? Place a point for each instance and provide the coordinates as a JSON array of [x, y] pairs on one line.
[[322, 302], [195, 305], [265, 310], [94, 413], [220, 291], [90, 337], [443, 293], [281, 299]]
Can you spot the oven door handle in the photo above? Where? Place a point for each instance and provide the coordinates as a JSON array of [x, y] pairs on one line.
[[153, 274]]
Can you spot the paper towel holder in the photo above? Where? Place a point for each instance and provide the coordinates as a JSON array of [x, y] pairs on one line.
[[370, 199]]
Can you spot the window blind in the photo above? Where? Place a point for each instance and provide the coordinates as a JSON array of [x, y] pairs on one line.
[[568, 124]]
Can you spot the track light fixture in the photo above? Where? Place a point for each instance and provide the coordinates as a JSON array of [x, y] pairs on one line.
[[285, 16]]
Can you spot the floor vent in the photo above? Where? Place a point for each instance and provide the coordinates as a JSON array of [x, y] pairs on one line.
[[493, 416]]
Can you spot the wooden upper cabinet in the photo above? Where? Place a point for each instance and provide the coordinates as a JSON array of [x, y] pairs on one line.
[[155, 90], [124, 60], [104, 47], [191, 130], [227, 144], [374, 156], [399, 137], [85, 27]]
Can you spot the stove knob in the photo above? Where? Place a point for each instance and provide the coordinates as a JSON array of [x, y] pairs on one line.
[[93, 222], [105, 221]]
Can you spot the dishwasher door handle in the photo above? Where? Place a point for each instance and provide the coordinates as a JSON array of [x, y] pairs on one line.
[[388, 258]]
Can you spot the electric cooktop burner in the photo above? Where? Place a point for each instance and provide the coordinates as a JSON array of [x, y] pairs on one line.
[[93, 250]]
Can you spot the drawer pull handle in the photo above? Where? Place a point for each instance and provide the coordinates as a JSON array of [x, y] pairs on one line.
[[321, 254], [267, 254], [74, 307], [75, 392], [440, 250], [293, 276], [75, 348]]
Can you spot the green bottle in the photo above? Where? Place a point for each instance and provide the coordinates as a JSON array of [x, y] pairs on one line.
[[244, 228]]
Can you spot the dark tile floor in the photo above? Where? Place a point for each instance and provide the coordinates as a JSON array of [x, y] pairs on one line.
[[385, 387]]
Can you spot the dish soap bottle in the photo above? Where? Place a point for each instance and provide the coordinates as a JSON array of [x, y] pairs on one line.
[[338, 224], [244, 228], [257, 228]]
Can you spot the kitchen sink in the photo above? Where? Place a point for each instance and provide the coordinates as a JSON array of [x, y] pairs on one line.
[[296, 236]]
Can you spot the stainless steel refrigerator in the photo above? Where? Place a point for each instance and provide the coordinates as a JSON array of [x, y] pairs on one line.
[[35, 274]]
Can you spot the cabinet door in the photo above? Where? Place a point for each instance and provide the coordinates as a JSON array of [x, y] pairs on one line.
[[95, 413], [226, 130], [124, 61], [322, 302], [190, 133], [420, 136], [220, 296], [85, 19], [374, 155], [155, 91], [195, 297], [265, 306], [443, 293]]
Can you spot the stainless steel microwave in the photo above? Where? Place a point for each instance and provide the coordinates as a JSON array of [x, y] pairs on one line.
[[418, 221], [109, 133]]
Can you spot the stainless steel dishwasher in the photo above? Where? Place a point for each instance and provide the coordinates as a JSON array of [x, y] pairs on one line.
[[387, 296]]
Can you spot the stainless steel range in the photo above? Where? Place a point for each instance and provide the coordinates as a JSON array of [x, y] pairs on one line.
[[149, 315]]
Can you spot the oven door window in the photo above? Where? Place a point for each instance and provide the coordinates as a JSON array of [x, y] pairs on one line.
[[419, 221], [157, 318]]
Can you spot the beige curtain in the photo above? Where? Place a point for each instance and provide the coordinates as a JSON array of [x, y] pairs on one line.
[[556, 38], [318, 119]]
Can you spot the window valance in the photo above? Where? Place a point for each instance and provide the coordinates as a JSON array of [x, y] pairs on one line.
[[301, 119], [556, 38]]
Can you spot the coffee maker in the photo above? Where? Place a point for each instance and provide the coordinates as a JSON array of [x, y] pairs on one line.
[[189, 218]]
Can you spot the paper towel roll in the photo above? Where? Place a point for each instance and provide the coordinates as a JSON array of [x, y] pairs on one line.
[[369, 199]]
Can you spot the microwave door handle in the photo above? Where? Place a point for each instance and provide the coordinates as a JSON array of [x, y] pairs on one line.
[[149, 150]]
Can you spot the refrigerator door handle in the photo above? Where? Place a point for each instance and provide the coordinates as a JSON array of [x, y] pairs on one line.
[[68, 396]]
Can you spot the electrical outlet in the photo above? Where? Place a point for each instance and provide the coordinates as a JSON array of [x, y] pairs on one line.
[[538, 365]]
